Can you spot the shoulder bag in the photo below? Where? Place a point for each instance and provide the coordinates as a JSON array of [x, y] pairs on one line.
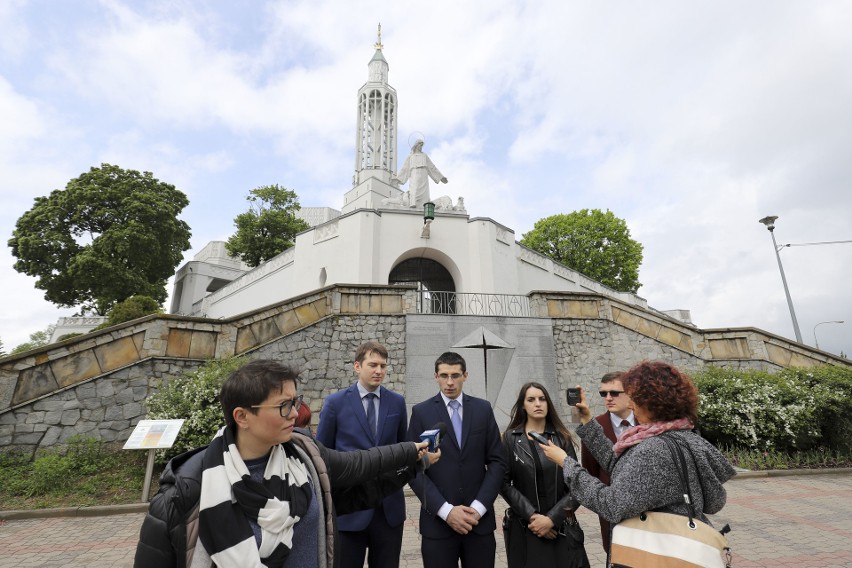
[[667, 539]]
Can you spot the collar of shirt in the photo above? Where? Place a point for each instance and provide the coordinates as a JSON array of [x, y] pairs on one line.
[[616, 421], [362, 392], [447, 401]]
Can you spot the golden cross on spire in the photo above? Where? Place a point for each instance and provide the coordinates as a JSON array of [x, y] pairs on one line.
[[379, 42]]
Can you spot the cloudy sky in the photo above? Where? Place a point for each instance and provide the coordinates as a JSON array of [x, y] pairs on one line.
[[690, 120]]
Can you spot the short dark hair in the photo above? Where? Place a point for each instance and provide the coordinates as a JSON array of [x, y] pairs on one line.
[[451, 358], [370, 347], [251, 384], [609, 377]]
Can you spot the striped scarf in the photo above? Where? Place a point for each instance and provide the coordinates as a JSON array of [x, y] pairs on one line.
[[229, 497]]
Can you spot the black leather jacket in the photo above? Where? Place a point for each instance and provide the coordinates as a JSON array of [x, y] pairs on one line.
[[520, 488], [349, 481]]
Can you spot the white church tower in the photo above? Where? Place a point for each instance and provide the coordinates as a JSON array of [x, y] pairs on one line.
[[376, 139], [464, 265]]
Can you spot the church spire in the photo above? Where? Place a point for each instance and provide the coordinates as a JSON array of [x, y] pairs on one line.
[[375, 151]]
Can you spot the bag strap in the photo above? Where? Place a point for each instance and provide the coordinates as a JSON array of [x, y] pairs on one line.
[[683, 475]]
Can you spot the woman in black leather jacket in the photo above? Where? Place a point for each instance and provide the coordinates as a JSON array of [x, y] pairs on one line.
[[539, 528]]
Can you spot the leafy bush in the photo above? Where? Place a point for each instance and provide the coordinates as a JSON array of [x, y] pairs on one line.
[[57, 469], [85, 472], [833, 389], [130, 309], [49, 473], [86, 455], [793, 409], [193, 396], [65, 336]]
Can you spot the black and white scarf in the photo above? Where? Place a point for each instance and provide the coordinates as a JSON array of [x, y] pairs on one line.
[[229, 496]]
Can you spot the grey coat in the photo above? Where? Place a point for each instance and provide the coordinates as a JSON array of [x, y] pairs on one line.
[[644, 478]]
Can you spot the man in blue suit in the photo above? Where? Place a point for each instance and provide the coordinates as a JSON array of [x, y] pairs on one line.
[[359, 417], [457, 494]]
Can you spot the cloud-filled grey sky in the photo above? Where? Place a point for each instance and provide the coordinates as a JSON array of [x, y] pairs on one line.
[[690, 120]]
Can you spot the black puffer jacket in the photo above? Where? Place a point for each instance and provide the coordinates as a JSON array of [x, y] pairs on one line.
[[349, 481], [520, 489]]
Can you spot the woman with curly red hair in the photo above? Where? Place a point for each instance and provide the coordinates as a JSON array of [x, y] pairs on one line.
[[643, 474]]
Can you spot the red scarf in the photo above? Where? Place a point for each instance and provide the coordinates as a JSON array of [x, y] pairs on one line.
[[636, 434]]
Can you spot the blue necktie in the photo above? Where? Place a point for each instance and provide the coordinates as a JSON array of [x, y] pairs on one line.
[[455, 418], [371, 412]]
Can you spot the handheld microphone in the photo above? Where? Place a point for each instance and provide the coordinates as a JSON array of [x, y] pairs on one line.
[[434, 436]]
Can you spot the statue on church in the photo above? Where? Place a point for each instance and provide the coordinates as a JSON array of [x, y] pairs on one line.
[[419, 168]]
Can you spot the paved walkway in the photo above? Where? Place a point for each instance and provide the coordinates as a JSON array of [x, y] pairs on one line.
[[803, 520]]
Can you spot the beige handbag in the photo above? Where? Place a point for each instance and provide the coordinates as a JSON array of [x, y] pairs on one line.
[[667, 540]]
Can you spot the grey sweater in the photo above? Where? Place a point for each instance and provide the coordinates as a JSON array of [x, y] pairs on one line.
[[644, 478]]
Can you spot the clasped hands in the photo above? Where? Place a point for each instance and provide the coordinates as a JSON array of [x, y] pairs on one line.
[[541, 526], [462, 518]]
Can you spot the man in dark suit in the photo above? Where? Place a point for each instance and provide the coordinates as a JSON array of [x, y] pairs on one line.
[[364, 415], [457, 493], [617, 418]]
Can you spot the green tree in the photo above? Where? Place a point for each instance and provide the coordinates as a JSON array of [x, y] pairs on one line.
[[592, 242], [130, 309], [269, 227], [37, 339], [2, 350], [110, 234]]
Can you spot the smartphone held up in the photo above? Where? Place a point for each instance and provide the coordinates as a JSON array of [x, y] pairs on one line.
[[573, 396]]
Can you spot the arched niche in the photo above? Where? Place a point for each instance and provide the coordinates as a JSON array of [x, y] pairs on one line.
[[435, 285]]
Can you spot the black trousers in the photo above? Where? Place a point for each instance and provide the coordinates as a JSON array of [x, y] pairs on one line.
[[474, 551], [383, 541]]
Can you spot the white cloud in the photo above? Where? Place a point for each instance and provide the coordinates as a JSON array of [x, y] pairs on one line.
[[691, 121]]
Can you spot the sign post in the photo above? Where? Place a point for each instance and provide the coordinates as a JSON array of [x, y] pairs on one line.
[[152, 435]]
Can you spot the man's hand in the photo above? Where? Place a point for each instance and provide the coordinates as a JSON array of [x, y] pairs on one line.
[[434, 456], [583, 407], [541, 526], [462, 519]]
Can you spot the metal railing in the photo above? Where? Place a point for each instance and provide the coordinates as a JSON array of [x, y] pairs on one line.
[[472, 304]]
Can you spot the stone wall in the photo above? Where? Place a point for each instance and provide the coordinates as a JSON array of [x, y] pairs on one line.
[[325, 353], [594, 335], [96, 384], [107, 408]]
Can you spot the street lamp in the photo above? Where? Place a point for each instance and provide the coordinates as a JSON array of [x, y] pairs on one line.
[[820, 323], [770, 224]]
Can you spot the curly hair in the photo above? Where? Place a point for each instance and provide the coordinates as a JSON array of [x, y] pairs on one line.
[[519, 413], [663, 391]]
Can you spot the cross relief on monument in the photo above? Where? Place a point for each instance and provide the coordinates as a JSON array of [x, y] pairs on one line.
[[495, 355]]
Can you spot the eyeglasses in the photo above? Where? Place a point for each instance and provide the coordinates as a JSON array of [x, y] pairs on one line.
[[285, 407], [454, 376], [613, 394]]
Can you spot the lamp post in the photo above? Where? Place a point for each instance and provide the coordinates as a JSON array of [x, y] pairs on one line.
[[770, 224], [820, 323]]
